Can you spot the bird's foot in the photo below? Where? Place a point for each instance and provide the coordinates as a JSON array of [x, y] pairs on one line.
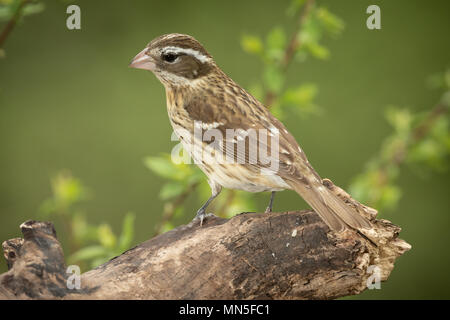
[[201, 215], [268, 210]]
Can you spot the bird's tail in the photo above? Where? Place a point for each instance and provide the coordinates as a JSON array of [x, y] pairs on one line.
[[332, 209]]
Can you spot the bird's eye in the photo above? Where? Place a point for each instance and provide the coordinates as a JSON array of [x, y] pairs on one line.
[[169, 57]]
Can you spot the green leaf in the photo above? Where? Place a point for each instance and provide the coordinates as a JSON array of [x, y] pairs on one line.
[[317, 50], [276, 42], [439, 80], [332, 23], [9, 7], [165, 168], [301, 55], [81, 230], [171, 190], [390, 195], [5, 13], [106, 237], [393, 147], [33, 8], [179, 211], [252, 44], [294, 7], [67, 190], [273, 79], [127, 235], [301, 95], [167, 227], [301, 99], [311, 31], [88, 253], [400, 119], [440, 130], [195, 175], [430, 152], [276, 38], [7, 2], [204, 191]]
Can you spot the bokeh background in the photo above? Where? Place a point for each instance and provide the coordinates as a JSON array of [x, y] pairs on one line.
[[68, 101]]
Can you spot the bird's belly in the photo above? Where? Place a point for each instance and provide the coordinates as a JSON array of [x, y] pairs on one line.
[[229, 175], [239, 177]]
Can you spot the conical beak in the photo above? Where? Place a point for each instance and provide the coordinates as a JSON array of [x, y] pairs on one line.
[[143, 61]]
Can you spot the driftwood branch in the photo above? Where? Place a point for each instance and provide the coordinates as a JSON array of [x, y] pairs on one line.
[[290, 255]]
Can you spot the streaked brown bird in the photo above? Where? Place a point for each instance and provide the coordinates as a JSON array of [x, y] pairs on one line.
[[200, 95]]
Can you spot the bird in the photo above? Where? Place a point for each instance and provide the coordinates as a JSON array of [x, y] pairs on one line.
[[202, 97]]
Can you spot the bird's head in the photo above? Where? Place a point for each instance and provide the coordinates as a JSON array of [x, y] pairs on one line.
[[176, 59]]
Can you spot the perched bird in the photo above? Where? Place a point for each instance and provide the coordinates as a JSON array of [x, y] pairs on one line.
[[201, 96]]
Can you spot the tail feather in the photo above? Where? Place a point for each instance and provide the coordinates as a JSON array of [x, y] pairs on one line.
[[333, 211]]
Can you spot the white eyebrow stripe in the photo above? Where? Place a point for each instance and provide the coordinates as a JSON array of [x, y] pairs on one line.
[[196, 54]]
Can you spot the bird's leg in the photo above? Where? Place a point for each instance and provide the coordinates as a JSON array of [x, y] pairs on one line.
[[269, 207], [201, 213]]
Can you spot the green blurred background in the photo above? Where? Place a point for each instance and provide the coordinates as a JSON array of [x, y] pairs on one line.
[[69, 101]]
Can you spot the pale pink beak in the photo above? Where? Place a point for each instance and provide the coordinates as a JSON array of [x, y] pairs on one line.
[[143, 61]]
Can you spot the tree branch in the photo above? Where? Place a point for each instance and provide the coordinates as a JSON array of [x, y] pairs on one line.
[[295, 43], [290, 255], [291, 49], [12, 22]]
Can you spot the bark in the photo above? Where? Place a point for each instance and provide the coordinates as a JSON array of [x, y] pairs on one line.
[[289, 255]]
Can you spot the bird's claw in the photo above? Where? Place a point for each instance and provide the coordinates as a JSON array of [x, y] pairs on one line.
[[201, 214]]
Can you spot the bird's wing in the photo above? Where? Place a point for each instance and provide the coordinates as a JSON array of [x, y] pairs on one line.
[[240, 113]]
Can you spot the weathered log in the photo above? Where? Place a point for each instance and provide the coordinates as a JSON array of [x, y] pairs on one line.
[[290, 255]]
